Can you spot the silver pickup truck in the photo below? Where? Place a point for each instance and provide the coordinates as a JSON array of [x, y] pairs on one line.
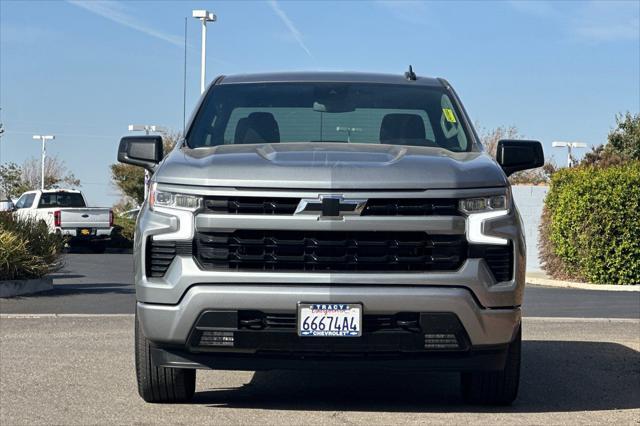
[[329, 221]]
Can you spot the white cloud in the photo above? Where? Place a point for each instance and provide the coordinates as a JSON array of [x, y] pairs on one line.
[[290, 26], [116, 12]]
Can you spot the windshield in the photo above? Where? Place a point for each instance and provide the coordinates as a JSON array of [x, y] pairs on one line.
[[26, 201], [329, 112], [61, 199]]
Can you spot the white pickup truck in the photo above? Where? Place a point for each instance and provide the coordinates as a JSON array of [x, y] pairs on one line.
[[65, 211]]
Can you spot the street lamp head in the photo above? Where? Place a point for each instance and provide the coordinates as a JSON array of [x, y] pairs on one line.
[[560, 144], [204, 15], [159, 129], [44, 137], [147, 128]]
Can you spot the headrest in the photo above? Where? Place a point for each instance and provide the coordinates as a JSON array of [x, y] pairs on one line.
[[395, 128], [258, 127]]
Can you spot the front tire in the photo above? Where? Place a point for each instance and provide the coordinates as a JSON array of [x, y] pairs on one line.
[[495, 387], [160, 384]]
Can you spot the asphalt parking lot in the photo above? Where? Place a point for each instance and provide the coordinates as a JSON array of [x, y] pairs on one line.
[[103, 284], [66, 357]]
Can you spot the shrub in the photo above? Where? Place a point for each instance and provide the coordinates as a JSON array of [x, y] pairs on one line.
[[591, 224], [15, 260], [123, 231], [27, 249]]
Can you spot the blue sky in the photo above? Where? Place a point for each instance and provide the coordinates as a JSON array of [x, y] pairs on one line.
[[85, 70]]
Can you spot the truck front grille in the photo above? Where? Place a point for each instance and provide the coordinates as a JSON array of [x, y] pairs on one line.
[[374, 206], [330, 251]]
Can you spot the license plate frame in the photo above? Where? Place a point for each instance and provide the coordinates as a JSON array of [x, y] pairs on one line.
[[332, 325]]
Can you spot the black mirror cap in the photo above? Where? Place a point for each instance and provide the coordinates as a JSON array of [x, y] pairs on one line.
[[516, 155], [144, 151]]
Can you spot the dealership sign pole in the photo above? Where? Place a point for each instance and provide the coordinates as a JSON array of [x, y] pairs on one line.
[[43, 138]]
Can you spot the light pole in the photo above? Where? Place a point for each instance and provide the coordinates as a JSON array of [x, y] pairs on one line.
[[205, 16], [1, 133], [569, 146], [43, 138], [147, 129]]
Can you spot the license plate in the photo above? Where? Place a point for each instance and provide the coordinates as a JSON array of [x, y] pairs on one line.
[[85, 231], [330, 319]]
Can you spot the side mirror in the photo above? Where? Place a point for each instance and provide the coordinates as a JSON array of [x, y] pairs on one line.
[[516, 155], [143, 151]]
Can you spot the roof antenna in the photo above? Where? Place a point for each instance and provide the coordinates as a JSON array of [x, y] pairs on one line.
[[410, 75]]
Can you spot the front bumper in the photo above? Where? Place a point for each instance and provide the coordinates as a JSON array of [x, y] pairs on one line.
[[172, 324]]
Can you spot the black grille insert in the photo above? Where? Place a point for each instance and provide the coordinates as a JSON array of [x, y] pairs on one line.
[[330, 251], [411, 207], [251, 205], [374, 206]]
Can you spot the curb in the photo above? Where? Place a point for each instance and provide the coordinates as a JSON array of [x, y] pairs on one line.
[[14, 288], [547, 282]]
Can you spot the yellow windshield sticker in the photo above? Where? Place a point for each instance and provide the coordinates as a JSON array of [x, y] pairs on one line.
[[448, 115]]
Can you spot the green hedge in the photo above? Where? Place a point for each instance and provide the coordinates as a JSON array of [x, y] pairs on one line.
[[27, 248], [123, 232], [591, 224]]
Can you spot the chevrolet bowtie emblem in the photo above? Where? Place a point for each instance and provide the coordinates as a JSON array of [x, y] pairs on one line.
[[331, 206]]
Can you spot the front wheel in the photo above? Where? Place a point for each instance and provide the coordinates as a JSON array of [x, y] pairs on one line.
[[160, 384], [495, 387]]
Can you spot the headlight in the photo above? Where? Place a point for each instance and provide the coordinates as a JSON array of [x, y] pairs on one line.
[[173, 200], [479, 210], [477, 205]]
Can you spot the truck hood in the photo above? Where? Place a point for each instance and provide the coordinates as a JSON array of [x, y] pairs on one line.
[[329, 166]]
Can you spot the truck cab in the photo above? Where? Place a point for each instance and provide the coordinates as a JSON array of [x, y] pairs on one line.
[[329, 220]]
